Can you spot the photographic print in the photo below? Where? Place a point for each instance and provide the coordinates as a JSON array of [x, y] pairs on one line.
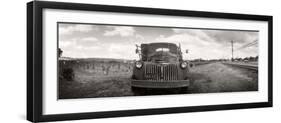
[[110, 60], [87, 61]]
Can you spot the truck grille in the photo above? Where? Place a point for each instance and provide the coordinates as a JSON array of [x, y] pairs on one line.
[[161, 72]]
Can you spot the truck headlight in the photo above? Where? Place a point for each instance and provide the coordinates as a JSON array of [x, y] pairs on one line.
[[183, 65], [138, 65]]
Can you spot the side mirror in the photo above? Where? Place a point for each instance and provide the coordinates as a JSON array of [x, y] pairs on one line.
[[137, 49], [186, 51]]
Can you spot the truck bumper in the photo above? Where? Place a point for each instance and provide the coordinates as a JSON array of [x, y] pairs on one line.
[[160, 84]]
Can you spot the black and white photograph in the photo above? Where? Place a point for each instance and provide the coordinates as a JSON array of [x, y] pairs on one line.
[[111, 60], [91, 60]]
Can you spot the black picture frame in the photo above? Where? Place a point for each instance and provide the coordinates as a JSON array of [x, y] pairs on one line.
[[34, 60]]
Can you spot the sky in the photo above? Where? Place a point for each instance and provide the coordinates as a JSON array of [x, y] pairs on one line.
[[118, 41]]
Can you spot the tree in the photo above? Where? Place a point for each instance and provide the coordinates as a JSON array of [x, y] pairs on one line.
[[60, 52]]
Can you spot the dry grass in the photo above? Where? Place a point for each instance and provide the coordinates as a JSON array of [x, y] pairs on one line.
[[96, 79]]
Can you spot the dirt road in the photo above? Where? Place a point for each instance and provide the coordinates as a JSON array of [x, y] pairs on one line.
[[218, 77]]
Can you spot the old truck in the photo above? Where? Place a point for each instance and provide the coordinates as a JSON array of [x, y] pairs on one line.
[[160, 65]]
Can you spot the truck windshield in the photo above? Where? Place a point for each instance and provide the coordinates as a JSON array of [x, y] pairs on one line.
[[162, 50], [162, 47]]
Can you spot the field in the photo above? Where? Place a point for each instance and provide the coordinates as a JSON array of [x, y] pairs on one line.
[[218, 77], [89, 78], [95, 78]]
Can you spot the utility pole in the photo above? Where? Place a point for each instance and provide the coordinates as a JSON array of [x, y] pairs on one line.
[[231, 50]]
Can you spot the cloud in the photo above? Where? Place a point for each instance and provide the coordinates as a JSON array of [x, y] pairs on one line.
[[88, 41], [66, 44], [183, 38], [239, 37], [119, 41], [91, 39], [79, 42], [198, 47], [122, 51], [68, 30], [123, 31], [139, 37], [99, 50], [212, 44], [221, 36], [194, 32]]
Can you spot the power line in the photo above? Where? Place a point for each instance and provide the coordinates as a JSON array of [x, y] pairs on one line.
[[248, 45]]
